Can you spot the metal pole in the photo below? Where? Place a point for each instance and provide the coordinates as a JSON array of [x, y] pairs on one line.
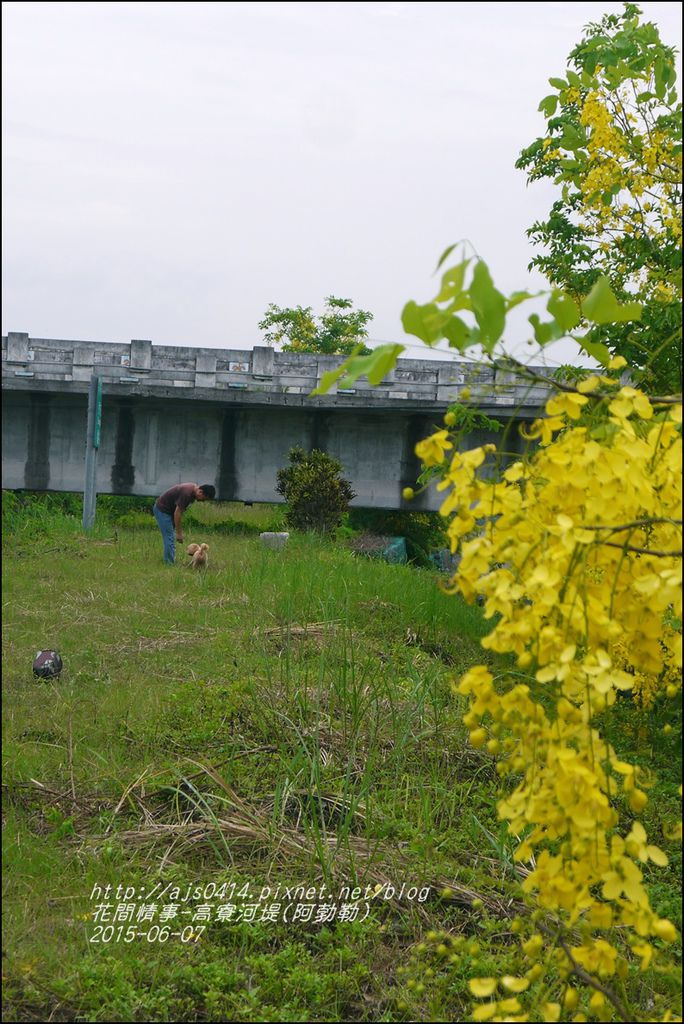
[[92, 444]]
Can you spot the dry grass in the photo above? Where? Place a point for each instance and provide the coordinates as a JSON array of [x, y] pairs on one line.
[[240, 829], [174, 638]]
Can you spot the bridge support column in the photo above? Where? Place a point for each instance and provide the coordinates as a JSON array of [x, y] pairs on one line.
[[417, 429], [227, 476], [123, 470], [37, 466], [92, 444]]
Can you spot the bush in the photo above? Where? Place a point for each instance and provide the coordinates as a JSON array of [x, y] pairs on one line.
[[115, 507], [39, 512], [317, 495]]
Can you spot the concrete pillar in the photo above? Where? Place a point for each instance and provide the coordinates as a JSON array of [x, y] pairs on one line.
[[263, 361], [205, 369], [141, 355], [90, 483], [37, 466], [152, 447], [82, 366], [450, 381], [18, 348], [322, 368], [505, 387], [228, 482], [416, 428], [123, 470]]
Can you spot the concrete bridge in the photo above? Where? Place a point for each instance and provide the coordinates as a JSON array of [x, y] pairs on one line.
[[227, 417]]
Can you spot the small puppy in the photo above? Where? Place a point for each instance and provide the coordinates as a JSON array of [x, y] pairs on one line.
[[200, 556]]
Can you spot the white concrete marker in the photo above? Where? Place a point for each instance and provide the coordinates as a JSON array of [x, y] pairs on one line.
[[277, 541]]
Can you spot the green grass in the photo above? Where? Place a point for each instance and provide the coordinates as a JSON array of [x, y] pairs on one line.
[[280, 719], [334, 753]]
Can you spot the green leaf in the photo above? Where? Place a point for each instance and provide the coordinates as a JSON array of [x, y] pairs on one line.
[[601, 306], [489, 306], [374, 366], [329, 378], [544, 331], [452, 282], [383, 359], [596, 349], [515, 298], [564, 310], [425, 322], [461, 301], [548, 105], [659, 75], [558, 83], [573, 137], [574, 78], [445, 255], [458, 334]]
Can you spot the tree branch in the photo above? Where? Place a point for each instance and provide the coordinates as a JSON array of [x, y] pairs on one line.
[[636, 523], [641, 551]]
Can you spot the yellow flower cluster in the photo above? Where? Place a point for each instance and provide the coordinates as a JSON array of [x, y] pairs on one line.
[[597, 118], [663, 292], [647, 686], [571, 96], [629, 175], [575, 551], [601, 177]]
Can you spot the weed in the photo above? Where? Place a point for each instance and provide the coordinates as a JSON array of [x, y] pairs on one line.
[[286, 719]]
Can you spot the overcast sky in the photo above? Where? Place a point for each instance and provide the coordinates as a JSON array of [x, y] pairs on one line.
[[170, 169]]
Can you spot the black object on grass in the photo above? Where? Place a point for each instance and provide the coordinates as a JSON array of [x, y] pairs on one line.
[[47, 665]]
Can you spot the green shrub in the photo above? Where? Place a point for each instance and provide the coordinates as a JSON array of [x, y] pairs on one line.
[[39, 513], [114, 507], [317, 495]]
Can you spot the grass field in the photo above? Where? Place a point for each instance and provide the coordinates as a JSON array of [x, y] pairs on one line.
[[280, 720]]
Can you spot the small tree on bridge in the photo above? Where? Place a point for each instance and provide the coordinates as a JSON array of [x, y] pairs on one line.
[[339, 331]]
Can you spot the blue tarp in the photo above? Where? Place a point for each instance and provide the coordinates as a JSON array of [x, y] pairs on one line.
[[395, 552], [444, 560]]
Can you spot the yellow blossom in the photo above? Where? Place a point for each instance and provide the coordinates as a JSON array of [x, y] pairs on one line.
[[482, 987], [568, 403], [431, 450]]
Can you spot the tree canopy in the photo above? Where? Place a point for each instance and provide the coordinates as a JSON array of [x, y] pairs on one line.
[[340, 330], [613, 147]]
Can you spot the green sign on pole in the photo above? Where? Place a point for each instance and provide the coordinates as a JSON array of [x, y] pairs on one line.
[[98, 415]]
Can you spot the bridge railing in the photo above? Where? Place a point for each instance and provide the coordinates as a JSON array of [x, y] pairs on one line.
[[128, 365]]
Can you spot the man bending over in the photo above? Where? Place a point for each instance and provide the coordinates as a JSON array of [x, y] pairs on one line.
[[168, 511]]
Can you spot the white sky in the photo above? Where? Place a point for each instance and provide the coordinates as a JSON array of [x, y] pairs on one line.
[[171, 168]]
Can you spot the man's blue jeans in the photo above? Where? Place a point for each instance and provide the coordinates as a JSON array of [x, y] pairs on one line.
[[165, 524]]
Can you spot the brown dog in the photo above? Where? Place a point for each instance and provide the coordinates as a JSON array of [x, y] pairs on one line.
[[200, 556]]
